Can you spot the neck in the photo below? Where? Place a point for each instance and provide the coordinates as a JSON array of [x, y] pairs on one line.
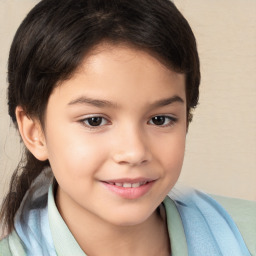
[[102, 238]]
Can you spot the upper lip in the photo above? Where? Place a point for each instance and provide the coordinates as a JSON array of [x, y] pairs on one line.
[[129, 180]]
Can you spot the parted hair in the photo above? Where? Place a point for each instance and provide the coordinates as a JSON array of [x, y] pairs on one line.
[[56, 36]]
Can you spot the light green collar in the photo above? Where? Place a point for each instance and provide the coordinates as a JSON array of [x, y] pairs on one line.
[[66, 244], [175, 228]]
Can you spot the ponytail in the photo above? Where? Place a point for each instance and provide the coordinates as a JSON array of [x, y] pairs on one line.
[[25, 173]]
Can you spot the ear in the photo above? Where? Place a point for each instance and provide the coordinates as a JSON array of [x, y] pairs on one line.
[[32, 134]]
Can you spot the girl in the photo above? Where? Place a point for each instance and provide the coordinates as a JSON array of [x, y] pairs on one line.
[[102, 93]]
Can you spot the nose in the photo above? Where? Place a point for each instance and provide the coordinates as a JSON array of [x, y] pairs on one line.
[[131, 148]]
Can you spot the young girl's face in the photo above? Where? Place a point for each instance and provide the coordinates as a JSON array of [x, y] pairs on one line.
[[115, 135]]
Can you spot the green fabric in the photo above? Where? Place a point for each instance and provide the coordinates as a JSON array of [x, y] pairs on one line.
[[64, 242], [243, 212], [4, 248], [14, 242], [175, 229]]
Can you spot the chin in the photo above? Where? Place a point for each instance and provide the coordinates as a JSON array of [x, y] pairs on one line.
[[131, 217]]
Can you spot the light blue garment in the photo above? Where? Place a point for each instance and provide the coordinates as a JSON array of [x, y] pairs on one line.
[[209, 229], [31, 221]]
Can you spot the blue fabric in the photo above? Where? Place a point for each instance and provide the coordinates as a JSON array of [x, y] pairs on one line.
[[209, 229], [31, 221]]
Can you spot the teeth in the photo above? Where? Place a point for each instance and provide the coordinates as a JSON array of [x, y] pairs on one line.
[[135, 185], [129, 185]]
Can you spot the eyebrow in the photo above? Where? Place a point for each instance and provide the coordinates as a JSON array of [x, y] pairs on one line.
[[104, 103], [167, 101], [94, 102]]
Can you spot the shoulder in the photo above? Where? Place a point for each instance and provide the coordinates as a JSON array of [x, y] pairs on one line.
[[5, 248], [12, 246], [243, 213], [231, 222]]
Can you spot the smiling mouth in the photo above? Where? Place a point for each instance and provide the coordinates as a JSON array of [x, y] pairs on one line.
[[128, 188]]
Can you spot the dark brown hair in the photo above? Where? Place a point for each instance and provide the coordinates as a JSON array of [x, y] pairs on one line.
[[54, 38]]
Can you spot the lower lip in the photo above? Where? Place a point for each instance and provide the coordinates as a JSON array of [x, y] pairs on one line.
[[130, 193]]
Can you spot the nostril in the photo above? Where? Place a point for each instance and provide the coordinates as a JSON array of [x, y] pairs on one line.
[[132, 162], [131, 153]]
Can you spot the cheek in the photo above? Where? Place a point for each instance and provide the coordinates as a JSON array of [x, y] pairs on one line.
[[171, 153], [74, 153]]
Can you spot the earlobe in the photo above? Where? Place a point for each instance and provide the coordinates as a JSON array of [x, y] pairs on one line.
[[32, 134]]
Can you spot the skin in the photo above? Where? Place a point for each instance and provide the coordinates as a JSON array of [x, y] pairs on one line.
[[127, 143]]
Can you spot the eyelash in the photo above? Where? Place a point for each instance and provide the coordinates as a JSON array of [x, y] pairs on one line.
[[83, 121], [171, 122]]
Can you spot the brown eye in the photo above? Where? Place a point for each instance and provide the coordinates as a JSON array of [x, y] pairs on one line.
[[94, 121], [158, 120], [162, 120]]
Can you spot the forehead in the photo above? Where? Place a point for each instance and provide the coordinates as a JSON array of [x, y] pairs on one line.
[[125, 56], [120, 71]]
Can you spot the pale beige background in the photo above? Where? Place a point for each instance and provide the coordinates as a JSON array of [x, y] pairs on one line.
[[221, 144]]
